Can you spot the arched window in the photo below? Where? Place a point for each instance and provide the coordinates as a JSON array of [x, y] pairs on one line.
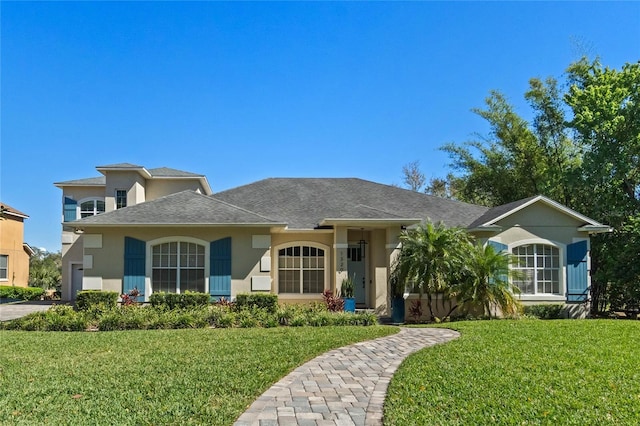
[[91, 207], [538, 269], [301, 270], [178, 266]]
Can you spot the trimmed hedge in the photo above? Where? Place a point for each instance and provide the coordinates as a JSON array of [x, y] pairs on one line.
[[550, 311], [96, 299], [185, 300], [20, 293], [57, 318], [266, 301]]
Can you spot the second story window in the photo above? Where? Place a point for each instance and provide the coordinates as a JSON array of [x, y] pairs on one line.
[[121, 198], [91, 208]]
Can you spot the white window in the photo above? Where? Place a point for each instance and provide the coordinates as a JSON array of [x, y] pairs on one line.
[[178, 267], [91, 207], [4, 262], [121, 198], [301, 269], [537, 268]]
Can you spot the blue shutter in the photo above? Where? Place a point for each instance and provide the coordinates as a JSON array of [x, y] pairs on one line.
[[577, 274], [220, 267], [498, 247], [134, 266], [69, 209]]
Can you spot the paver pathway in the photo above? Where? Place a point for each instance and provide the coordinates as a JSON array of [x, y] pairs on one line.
[[345, 386], [11, 311]]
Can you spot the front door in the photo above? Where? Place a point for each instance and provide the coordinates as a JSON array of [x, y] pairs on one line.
[[76, 279], [356, 268]]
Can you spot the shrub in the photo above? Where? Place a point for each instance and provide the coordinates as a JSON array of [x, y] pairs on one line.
[[550, 311], [266, 301], [20, 293], [332, 302], [88, 299], [57, 318], [185, 300]]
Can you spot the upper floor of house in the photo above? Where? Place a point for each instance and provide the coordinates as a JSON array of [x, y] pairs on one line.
[[122, 185]]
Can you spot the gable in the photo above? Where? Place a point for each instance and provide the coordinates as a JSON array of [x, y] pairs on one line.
[[539, 215]]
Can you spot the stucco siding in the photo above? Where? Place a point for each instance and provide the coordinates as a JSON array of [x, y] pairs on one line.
[[157, 188], [11, 245], [108, 261]]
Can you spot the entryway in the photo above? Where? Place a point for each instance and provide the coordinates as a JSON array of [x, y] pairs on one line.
[[357, 271], [77, 272]]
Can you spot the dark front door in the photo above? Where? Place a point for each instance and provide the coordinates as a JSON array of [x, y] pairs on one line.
[[356, 268]]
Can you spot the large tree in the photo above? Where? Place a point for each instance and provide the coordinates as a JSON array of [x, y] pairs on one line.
[[582, 148], [606, 120], [45, 269]]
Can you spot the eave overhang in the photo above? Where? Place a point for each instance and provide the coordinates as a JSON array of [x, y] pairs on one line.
[[367, 223], [595, 229]]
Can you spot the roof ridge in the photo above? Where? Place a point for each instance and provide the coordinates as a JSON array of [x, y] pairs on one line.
[[239, 208]]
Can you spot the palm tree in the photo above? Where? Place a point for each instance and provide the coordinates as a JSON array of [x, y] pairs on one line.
[[485, 281], [429, 258]]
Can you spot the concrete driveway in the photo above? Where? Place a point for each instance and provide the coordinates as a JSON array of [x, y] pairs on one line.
[[9, 311]]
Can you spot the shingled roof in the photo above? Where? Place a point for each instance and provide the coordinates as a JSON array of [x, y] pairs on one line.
[[304, 203], [7, 209], [182, 208]]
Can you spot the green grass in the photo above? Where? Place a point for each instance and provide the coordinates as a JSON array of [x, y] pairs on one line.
[[160, 377], [525, 372]]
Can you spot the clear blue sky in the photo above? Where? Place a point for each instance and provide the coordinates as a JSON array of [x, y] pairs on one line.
[[245, 91]]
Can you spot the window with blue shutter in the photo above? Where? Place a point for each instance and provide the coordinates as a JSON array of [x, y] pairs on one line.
[[498, 247], [134, 266], [220, 268], [69, 209], [577, 273]]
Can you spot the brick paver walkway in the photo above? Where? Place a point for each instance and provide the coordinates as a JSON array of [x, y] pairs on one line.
[[345, 386]]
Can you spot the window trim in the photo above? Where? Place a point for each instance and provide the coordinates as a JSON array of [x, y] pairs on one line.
[[562, 270], [174, 239], [115, 196], [276, 268], [95, 206], [6, 268]]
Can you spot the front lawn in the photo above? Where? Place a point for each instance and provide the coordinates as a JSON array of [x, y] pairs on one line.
[[159, 377], [524, 372]]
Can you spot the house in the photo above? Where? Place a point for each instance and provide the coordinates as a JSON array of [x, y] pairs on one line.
[[14, 252], [164, 230]]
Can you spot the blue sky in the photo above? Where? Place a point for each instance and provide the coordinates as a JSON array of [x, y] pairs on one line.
[[244, 91]]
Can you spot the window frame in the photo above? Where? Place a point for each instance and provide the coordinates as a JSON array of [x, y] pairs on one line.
[[562, 285], [175, 239], [95, 210], [117, 197], [5, 267], [326, 268]]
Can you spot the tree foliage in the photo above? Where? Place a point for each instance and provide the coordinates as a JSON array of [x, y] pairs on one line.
[[435, 259], [412, 177], [582, 149], [45, 269]]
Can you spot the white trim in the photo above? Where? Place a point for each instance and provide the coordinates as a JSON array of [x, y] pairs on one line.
[[394, 246], [177, 239], [260, 283], [562, 267], [301, 243], [260, 241], [71, 265], [95, 206], [87, 261], [92, 241], [91, 283], [554, 204], [340, 246]]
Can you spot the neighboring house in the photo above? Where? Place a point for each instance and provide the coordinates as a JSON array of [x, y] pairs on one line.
[[14, 252], [293, 237]]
